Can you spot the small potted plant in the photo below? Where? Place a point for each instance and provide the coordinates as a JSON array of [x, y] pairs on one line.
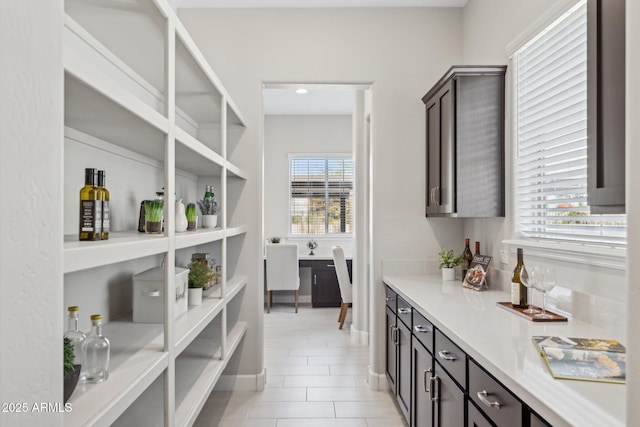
[[192, 217], [448, 262], [199, 275], [209, 210], [71, 371], [153, 211], [275, 239]]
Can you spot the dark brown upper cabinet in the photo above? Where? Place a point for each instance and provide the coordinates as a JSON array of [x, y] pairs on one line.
[[465, 143], [605, 105]]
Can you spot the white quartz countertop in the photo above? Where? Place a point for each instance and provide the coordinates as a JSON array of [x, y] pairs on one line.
[[501, 342]]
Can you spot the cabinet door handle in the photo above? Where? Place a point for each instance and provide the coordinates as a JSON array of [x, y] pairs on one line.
[[424, 380], [390, 299], [432, 382], [444, 354], [404, 310], [422, 329], [396, 337], [315, 279], [482, 395], [437, 195]]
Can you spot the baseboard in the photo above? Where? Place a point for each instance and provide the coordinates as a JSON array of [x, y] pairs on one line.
[[359, 337], [377, 381], [241, 382]]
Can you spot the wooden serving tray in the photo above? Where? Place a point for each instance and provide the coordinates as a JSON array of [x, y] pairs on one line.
[[520, 312]]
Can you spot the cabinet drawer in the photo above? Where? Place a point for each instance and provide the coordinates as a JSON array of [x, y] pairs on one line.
[[423, 330], [404, 311], [500, 406], [391, 298], [451, 358]]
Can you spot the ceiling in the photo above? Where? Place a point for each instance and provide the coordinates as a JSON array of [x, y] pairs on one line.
[[314, 3]]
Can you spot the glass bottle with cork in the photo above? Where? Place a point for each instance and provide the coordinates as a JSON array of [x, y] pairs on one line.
[[75, 335], [96, 353]]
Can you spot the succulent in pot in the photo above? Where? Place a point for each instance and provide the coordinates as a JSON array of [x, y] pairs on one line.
[[448, 262], [275, 239], [199, 275], [209, 209]]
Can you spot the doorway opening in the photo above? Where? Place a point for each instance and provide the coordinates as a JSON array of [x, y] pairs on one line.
[[316, 173]]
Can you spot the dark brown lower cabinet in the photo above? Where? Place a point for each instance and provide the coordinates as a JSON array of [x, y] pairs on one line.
[[449, 400], [391, 364], [403, 392], [536, 421], [476, 419], [422, 371]]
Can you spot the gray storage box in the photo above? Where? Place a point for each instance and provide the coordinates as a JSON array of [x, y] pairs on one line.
[[148, 295]]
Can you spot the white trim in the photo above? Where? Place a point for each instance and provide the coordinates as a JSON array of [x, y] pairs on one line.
[[546, 19], [242, 382], [377, 381], [359, 337], [576, 253]]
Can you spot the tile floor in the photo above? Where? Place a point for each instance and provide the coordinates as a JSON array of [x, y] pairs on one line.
[[315, 378]]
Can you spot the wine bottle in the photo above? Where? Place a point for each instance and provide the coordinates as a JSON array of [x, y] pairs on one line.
[[477, 248], [518, 290], [105, 205], [467, 257], [90, 207]]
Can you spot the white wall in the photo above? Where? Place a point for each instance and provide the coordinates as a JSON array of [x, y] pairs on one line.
[[298, 134], [31, 118], [402, 52]]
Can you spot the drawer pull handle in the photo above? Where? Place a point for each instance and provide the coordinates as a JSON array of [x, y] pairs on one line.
[[432, 382], [482, 395], [331, 265], [404, 310], [153, 293], [422, 329], [389, 299], [444, 354], [424, 380]]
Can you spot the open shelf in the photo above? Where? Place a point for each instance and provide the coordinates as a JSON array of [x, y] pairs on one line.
[[121, 246], [236, 231], [198, 237], [137, 359], [198, 369], [235, 171], [233, 286], [192, 323]]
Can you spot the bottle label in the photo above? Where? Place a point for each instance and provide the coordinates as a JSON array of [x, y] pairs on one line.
[[515, 293], [98, 216], [88, 216], [105, 216]]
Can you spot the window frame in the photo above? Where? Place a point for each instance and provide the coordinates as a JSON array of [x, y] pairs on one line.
[[577, 252], [325, 156]]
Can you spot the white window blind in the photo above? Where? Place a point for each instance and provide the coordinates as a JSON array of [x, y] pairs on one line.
[[551, 132], [321, 199]]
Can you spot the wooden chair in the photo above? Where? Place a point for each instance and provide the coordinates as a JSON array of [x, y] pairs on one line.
[[346, 288], [282, 270]]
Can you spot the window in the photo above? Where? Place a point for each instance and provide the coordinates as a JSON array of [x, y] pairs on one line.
[[321, 189], [551, 133]]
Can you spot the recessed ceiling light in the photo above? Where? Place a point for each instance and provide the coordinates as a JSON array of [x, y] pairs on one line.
[[301, 91]]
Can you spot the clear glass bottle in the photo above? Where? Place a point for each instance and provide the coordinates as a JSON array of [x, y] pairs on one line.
[[96, 353], [76, 336]]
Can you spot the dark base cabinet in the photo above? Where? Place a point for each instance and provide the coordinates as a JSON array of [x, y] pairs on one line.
[[422, 371], [325, 290], [450, 404], [437, 384]]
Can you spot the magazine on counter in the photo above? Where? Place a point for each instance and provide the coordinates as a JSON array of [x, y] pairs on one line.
[[476, 277], [585, 359]]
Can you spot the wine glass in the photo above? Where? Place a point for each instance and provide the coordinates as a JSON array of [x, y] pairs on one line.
[[529, 282], [544, 286]]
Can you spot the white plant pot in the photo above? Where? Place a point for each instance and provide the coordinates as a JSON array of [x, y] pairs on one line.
[[448, 273], [209, 221], [195, 296]]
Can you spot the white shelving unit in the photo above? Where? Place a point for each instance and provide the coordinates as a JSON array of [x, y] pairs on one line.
[[142, 103]]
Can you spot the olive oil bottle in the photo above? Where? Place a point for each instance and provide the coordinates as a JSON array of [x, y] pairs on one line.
[[90, 207], [105, 205]]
